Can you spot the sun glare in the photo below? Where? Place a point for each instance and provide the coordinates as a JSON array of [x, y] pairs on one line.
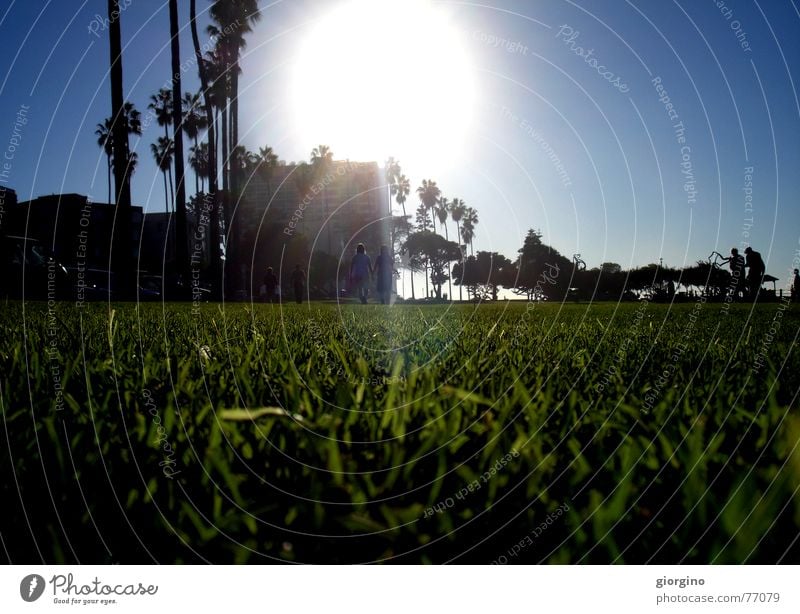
[[379, 78]]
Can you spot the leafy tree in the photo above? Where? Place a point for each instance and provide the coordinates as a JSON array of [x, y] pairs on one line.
[[541, 271], [484, 273], [437, 252]]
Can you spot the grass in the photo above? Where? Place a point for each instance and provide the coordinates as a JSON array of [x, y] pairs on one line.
[[316, 433]]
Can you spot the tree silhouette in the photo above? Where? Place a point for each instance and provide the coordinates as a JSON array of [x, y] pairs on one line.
[[163, 150], [457, 211], [121, 254], [202, 70], [104, 140], [194, 120], [161, 107], [429, 194], [469, 221]]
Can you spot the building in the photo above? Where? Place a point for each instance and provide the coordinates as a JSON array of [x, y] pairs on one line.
[[293, 213], [158, 242], [77, 230]]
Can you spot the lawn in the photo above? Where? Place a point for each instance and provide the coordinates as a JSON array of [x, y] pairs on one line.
[[321, 433]]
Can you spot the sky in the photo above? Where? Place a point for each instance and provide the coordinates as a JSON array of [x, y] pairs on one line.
[[549, 115]]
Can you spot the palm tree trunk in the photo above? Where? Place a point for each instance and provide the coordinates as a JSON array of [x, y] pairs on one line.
[[109, 179], [166, 192], [171, 190], [234, 121], [181, 246], [196, 173], [214, 255], [427, 288], [232, 232], [122, 198], [461, 281], [449, 270]]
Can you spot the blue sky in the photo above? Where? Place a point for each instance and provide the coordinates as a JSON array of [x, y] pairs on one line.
[[619, 195]]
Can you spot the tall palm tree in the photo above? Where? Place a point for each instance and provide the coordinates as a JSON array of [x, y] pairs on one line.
[[198, 160], [133, 161], [442, 211], [429, 194], [393, 173], [194, 120], [402, 188], [235, 18], [219, 89], [181, 245], [121, 158], [163, 150], [321, 158], [161, 106], [211, 135], [104, 140], [457, 211], [468, 227]]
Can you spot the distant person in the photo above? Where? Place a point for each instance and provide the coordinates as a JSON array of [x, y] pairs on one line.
[[756, 267], [360, 272], [270, 284], [736, 264], [796, 285], [384, 272], [298, 283]]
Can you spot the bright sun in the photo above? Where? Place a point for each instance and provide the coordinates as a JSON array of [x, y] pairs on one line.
[[379, 78]]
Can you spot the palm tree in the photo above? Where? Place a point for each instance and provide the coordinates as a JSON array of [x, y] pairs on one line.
[[235, 18], [133, 161], [105, 141], [393, 173], [468, 227], [161, 106], [121, 158], [162, 151], [442, 212], [202, 66], [181, 247], [457, 211], [402, 188], [429, 194], [219, 88], [321, 158], [198, 160], [194, 120]]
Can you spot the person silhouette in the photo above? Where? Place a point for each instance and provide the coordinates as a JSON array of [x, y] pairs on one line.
[[360, 272], [796, 285], [384, 271], [270, 283], [756, 267], [736, 264], [298, 283]]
